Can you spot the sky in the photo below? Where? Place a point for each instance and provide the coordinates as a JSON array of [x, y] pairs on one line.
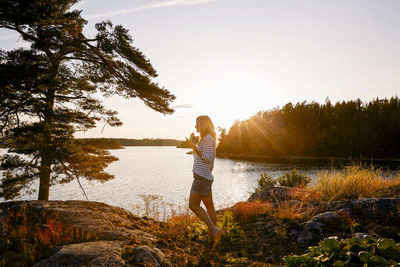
[[230, 59]]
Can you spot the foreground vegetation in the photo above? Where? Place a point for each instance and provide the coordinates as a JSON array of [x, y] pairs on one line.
[[366, 251], [255, 233]]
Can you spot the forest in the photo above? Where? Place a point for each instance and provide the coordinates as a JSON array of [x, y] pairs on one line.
[[361, 130]]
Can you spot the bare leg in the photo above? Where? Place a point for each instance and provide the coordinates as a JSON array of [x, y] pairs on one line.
[[208, 202], [194, 205]]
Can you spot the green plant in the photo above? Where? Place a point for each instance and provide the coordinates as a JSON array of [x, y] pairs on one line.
[[232, 230], [265, 181], [293, 179], [350, 252]]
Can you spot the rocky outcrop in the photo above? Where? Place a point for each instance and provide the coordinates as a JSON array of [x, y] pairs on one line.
[[110, 230], [119, 238], [379, 217]]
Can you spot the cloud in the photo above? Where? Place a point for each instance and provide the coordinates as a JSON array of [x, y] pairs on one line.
[[183, 106], [153, 5]]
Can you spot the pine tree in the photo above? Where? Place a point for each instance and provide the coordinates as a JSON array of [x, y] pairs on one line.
[[48, 93]]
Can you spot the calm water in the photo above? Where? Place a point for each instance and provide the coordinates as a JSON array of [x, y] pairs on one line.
[[166, 172]]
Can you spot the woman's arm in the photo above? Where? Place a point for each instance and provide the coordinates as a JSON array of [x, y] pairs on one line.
[[207, 155]]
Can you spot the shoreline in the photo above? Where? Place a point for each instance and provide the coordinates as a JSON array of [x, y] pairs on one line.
[[311, 160]]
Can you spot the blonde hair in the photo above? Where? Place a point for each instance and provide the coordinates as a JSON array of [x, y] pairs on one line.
[[206, 127]]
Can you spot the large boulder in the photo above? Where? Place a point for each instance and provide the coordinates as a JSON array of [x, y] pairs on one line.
[[272, 193], [107, 231], [98, 253], [147, 256]]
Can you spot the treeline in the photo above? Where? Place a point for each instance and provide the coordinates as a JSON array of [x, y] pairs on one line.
[[103, 143], [148, 142], [116, 143], [354, 129]]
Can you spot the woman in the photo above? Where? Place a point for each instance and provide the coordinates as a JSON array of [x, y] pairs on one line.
[[204, 157]]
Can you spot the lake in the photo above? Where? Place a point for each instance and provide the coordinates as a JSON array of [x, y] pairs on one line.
[[167, 173]]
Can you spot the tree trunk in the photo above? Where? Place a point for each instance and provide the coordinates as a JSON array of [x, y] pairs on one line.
[[46, 152], [45, 172]]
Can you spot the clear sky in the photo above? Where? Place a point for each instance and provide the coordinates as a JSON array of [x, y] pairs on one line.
[[230, 59]]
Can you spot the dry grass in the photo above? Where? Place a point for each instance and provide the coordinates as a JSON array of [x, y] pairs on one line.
[[354, 182], [179, 224], [249, 211], [292, 211]]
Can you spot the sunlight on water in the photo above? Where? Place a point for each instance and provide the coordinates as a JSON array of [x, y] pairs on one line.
[[166, 172]]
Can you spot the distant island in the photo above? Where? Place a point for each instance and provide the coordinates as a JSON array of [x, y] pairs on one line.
[[118, 143]]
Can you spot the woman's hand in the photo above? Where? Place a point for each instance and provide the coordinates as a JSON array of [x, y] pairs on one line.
[[193, 146]]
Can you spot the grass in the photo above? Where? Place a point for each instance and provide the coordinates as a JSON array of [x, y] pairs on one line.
[[354, 182], [292, 211], [248, 211]]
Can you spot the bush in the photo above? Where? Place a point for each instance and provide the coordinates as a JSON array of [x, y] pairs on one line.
[[265, 181], [350, 252], [293, 179]]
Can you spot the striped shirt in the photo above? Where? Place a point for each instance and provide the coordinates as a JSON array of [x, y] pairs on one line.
[[204, 165]]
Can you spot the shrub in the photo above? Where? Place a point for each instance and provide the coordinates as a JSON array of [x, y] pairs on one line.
[[265, 181], [293, 179], [350, 252]]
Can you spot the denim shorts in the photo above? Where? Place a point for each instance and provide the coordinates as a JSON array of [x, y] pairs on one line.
[[201, 185]]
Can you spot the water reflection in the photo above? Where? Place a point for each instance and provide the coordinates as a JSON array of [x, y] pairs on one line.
[[167, 172]]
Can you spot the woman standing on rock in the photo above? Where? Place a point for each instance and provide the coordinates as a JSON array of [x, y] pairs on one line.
[[204, 157]]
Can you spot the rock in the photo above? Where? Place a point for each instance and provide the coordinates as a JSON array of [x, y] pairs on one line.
[[146, 256], [98, 253], [306, 237], [5, 245], [369, 208], [106, 230], [314, 227], [104, 221], [362, 235], [273, 193], [9, 257], [328, 218], [294, 233]]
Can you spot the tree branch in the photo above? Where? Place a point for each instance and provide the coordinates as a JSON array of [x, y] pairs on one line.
[[24, 34], [70, 97], [71, 177]]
